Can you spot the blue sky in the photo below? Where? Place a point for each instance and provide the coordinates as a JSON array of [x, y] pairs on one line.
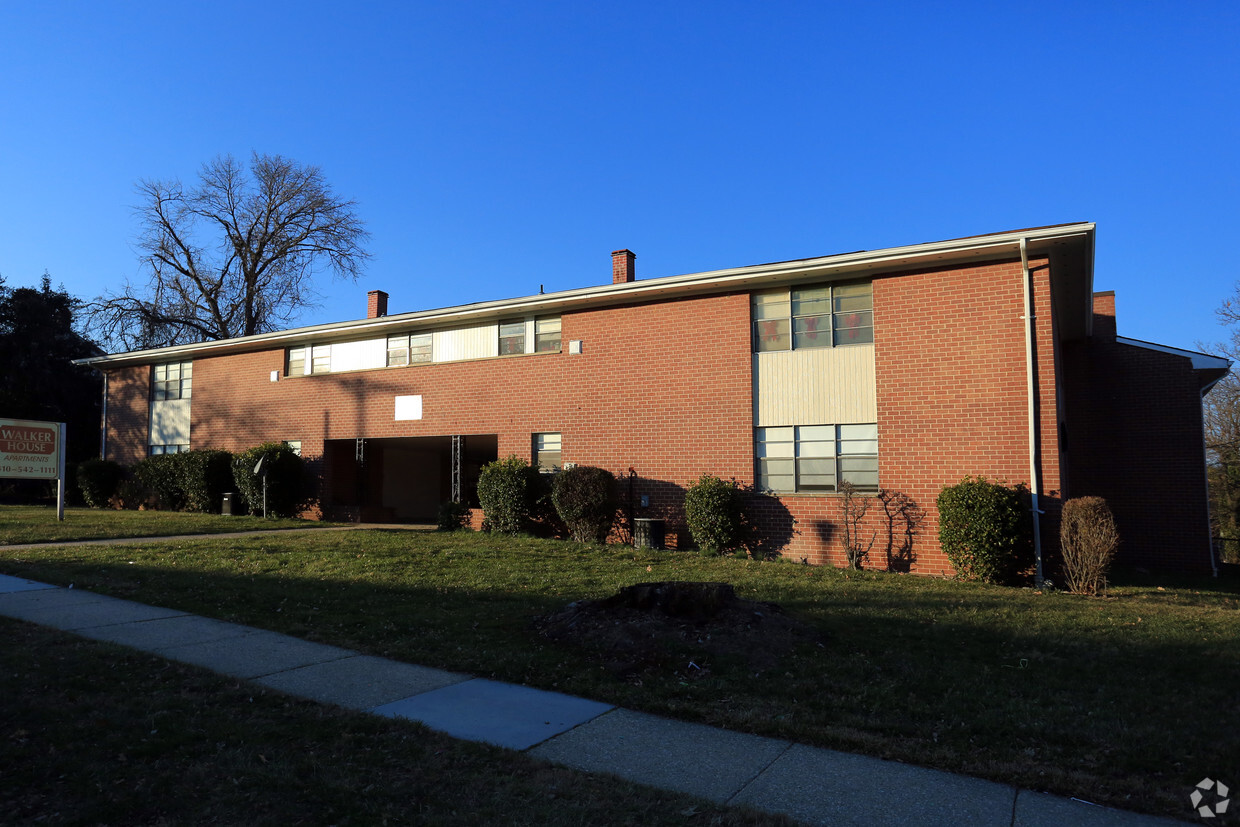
[[496, 147]]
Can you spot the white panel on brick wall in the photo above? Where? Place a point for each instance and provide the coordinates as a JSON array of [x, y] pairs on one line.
[[829, 385], [466, 343], [364, 355], [170, 422]]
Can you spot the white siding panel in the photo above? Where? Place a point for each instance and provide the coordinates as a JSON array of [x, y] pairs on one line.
[[814, 386], [170, 422], [364, 355], [466, 343]]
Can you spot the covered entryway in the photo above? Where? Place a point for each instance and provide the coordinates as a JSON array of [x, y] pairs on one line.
[[402, 479]]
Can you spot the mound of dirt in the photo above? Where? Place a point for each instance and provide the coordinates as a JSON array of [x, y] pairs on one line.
[[653, 625]]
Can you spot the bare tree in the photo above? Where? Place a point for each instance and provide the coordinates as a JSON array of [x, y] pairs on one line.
[[234, 256]]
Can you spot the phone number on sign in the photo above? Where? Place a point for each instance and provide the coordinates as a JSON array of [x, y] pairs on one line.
[[26, 469]]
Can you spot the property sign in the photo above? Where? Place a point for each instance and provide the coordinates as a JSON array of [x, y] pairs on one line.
[[30, 450]]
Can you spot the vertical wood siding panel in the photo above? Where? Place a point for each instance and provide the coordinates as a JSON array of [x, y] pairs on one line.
[[819, 386]]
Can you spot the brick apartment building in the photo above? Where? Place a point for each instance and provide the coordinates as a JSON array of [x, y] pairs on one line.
[[901, 370]]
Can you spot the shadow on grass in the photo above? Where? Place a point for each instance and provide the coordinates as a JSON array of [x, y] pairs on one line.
[[1113, 701]]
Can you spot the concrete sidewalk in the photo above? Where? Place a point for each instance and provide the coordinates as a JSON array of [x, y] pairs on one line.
[[816, 786]]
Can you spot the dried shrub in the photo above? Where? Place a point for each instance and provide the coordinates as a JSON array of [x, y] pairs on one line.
[[855, 506], [1088, 542]]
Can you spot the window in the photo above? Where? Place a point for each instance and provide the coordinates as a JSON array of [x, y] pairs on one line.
[[809, 458], [295, 444], [808, 317], [409, 349], [296, 362], [157, 450], [547, 452], [547, 335], [511, 338], [173, 381], [321, 356]]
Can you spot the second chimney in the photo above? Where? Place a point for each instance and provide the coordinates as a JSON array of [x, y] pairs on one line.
[[376, 304], [623, 266]]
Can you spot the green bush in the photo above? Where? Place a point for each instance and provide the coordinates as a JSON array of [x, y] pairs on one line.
[[97, 480], [506, 490], [984, 529], [286, 474], [1088, 542], [160, 478], [453, 516], [204, 476], [585, 498], [713, 512]]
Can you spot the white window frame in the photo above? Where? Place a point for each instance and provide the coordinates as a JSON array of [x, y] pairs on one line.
[[809, 454], [165, 386], [159, 450], [410, 349], [547, 334], [786, 320], [512, 337], [548, 452], [296, 361]]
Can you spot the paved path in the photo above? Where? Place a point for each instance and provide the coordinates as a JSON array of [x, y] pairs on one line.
[[816, 786]]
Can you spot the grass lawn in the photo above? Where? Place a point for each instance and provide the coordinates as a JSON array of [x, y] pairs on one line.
[[38, 524], [97, 734], [1127, 701]]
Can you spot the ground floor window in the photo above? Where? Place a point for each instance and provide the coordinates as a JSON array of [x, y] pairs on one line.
[[817, 458], [547, 452], [157, 450]]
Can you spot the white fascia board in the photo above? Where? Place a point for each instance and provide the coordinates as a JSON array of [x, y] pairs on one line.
[[1201, 361], [715, 281]]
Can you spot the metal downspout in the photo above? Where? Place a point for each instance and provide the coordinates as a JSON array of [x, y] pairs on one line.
[[1034, 484], [103, 431], [1205, 451]]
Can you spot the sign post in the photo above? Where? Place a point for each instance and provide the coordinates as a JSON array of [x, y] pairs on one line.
[[32, 450]]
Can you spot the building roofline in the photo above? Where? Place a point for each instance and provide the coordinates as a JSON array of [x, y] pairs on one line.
[[840, 266], [1201, 361]]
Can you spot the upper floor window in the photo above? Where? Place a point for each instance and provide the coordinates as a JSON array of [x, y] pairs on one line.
[[511, 337], [547, 335], [808, 317], [174, 380], [409, 349], [296, 362], [321, 356]]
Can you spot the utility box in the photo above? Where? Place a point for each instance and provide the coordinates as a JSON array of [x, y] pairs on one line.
[[648, 532], [226, 507]]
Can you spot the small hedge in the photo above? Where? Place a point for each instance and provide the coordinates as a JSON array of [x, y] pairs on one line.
[[713, 512], [507, 489], [585, 498], [453, 516], [97, 480], [985, 529], [189, 481], [286, 474]]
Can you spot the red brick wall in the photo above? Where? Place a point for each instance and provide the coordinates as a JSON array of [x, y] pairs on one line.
[[664, 389], [1134, 437], [129, 414], [952, 393]]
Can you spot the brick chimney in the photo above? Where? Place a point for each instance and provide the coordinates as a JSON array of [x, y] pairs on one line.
[[376, 304], [1104, 315], [623, 266]]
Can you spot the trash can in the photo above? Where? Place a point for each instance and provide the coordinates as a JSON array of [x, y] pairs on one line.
[[648, 532], [227, 505]]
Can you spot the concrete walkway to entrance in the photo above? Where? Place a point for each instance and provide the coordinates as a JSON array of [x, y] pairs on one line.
[[816, 786]]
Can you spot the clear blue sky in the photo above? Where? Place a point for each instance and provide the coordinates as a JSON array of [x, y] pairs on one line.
[[494, 147]]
